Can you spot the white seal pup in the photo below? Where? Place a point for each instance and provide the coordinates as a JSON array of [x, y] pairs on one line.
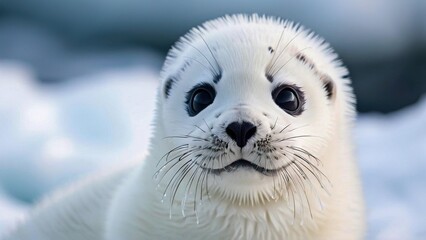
[[252, 140]]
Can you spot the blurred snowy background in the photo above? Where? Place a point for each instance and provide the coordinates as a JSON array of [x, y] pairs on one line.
[[78, 79]]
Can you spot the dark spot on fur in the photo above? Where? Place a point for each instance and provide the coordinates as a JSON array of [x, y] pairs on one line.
[[168, 86], [302, 58], [329, 88], [346, 76], [270, 49], [269, 77], [328, 85], [217, 77], [172, 80], [184, 67]]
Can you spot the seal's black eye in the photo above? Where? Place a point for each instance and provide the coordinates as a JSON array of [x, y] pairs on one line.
[[289, 99], [199, 98]]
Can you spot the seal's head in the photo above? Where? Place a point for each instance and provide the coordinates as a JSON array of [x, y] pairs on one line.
[[250, 109]]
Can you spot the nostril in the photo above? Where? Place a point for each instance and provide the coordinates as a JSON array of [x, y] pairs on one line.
[[250, 133], [241, 132], [231, 131]]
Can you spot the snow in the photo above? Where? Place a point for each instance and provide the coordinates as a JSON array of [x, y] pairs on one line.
[[52, 135], [392, 155], [11, 212]]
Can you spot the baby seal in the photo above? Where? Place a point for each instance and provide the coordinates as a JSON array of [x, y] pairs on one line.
[[252, 140]]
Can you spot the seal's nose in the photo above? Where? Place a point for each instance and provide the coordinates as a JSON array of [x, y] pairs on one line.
[[241, 132]]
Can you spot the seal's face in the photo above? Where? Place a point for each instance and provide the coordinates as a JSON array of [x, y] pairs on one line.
[[247, 112]]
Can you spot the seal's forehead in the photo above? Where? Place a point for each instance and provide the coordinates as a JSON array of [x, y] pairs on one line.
[[239, 40], [239, 44], [236, 40], [246, 33]]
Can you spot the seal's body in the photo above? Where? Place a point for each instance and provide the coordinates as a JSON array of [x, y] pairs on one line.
[[251, 141]]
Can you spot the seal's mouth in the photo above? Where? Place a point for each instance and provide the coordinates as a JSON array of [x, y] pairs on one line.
[[245, 164]]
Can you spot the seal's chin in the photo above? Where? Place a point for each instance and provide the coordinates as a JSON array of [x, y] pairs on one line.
[[243, 164]]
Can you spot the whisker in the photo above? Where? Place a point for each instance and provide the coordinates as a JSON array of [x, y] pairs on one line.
[[284, 128], [276, 49], [275, 124], [290, 60], [174, 175], [196, 60], [301, 150], [208, 127], [294, 137], [183, 146], [179, 157], [183, 171], [310, 167], [211, 52], [295, 178], [196, 186], [312, 188], [188, 187], [285, 47], [186, 136], [213, 70], [317, 177], [301, 174], [206, 180], [296, 128], [198, 182], [199, 128], [292, 192]]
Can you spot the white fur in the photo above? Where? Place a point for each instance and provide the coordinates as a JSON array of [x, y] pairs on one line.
[[244, 204]]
